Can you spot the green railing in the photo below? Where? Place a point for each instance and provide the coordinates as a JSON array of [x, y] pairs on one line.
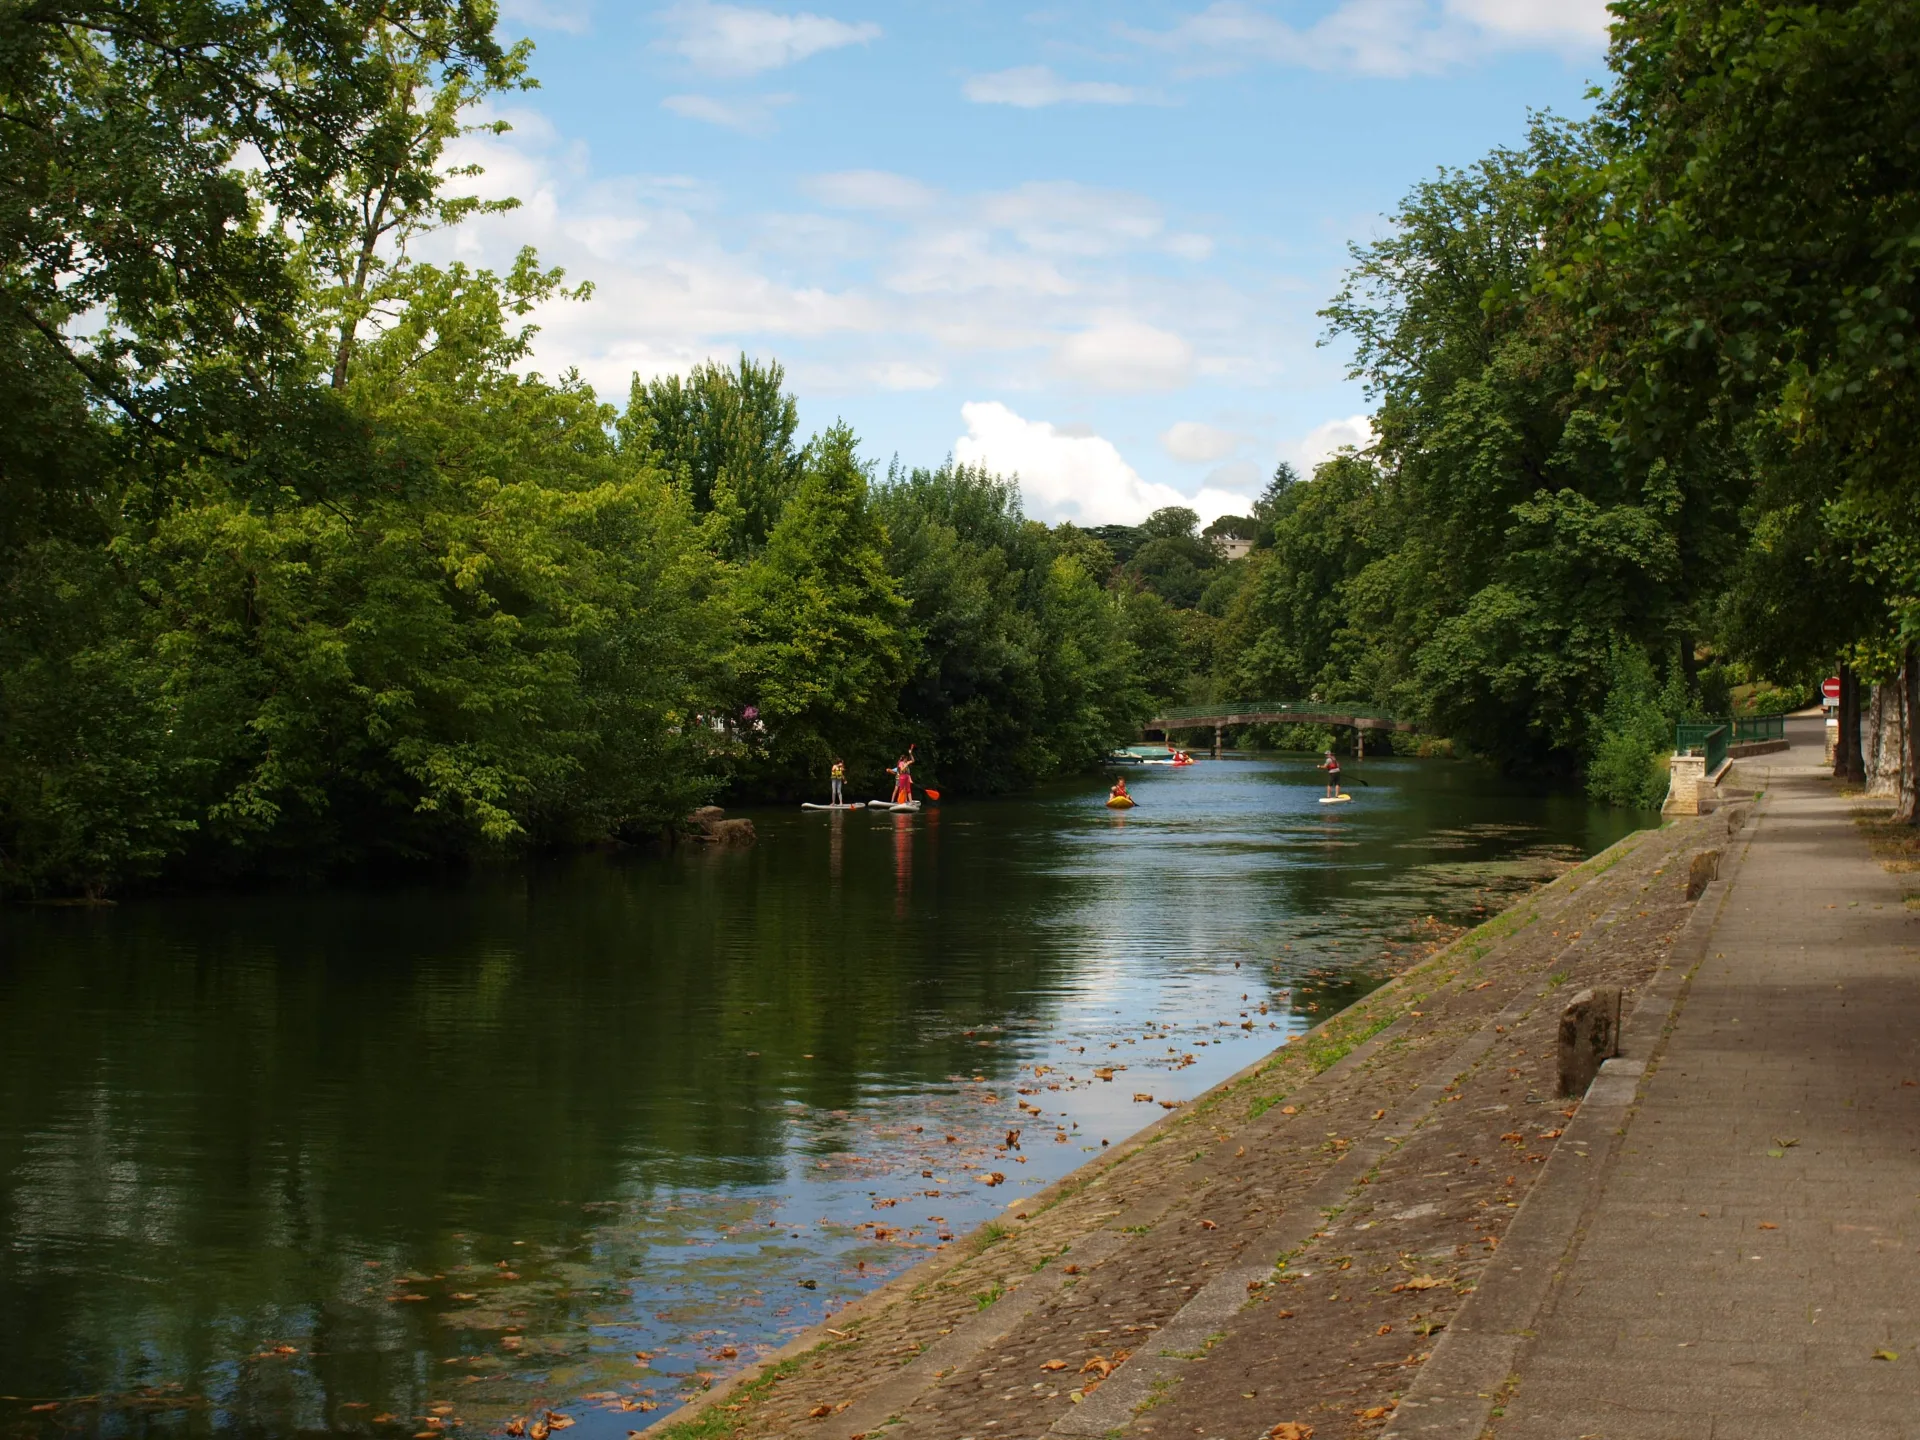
[[1748, 728], [1703, 737], [1209, 713], [1712, 737]]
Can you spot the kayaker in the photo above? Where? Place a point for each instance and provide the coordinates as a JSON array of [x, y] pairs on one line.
[[903, 778], [1332, 766], [1119, 790], [838, 776]]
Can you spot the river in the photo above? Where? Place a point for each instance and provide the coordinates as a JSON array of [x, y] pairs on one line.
[[584, 1134]]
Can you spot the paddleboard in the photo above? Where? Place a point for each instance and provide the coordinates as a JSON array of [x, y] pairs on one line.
[[889, 805], [1121, 802], [856, 805], [1335, 799]]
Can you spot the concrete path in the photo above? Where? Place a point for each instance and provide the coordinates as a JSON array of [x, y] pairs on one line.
[[1751, 1268]]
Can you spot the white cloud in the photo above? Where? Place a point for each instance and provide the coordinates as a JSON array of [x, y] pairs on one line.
[[734, 40], [1326, 440], [574, 18], [905, 375], [750, 116], [1080, 477], [1549, 20], [1196, 443], [1020, 289], [869, 190], [1031, 86], [1385, 37], [1062, 477], [1126, 355]]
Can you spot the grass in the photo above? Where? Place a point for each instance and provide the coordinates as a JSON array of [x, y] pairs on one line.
[[1895, 846], [716, 1423], [983, 1298]]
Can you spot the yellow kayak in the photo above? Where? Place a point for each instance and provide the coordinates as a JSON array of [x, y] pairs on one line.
[[1120, 802]]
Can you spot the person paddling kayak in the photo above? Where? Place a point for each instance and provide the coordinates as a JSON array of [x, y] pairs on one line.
[[1332, 766], [1118, 797]]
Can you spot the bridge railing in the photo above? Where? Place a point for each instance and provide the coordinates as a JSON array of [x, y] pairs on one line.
[[1748, 728], [1208, 714], [1703, 737]]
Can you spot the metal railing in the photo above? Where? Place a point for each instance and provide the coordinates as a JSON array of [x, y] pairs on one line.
[[1703, 737], [1277, 708], [1748, 728]]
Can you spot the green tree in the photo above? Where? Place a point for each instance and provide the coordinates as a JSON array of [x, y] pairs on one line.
[[728, 435], [823, 627]]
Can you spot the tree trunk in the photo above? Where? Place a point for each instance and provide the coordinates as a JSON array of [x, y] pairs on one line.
[[1849, 765], [1906, 788]]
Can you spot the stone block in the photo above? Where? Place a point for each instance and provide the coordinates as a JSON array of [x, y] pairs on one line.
[[1589, 1036], [1702, 871], [710, 824], [1686, 780]]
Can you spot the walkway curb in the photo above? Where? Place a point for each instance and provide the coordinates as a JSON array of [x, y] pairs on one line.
[[1477, 1357]]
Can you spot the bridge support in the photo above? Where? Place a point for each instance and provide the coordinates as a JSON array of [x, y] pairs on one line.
[[1359, 743], [1218, 731]]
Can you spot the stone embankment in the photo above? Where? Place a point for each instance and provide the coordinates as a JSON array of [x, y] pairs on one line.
[[1281, 1257]]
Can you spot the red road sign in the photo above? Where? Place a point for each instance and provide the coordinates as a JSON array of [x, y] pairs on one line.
[[1831, 687]]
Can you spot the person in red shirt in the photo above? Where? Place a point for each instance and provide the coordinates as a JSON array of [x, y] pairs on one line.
[[1332, 766]]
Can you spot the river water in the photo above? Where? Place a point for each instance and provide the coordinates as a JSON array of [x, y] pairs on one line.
[[584, 1135]]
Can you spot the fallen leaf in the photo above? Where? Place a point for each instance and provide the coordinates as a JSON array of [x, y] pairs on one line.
[[1421, 1282], [1208, 1225], [1384, 1330], [1374, 1412], [1054, 1365], [643, 1356], [1289, 1109], [1768, 1225], [517, 1426], [819, 1412], [1139, 1097], [1379, 1114], [1072, 1270], [1886, 1355], [1551, 1134], [557, 1421], [1291, 1430]]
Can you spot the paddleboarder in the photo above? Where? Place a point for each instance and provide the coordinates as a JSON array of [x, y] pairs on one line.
[[903, 778], [1332, 766], [838, 778]]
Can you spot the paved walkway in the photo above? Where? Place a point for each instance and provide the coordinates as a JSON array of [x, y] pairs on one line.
[[1751, 1270]]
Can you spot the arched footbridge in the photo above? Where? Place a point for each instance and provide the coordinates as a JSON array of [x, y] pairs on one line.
[[1224, 713]]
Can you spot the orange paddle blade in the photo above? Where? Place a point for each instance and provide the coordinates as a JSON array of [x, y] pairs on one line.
[[931, 794]]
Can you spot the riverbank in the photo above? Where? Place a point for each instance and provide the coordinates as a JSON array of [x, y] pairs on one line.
[[1379, 1157]]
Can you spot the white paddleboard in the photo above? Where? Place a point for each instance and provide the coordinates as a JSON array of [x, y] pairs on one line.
[[889, 805], [856, 805], [1335, 799]]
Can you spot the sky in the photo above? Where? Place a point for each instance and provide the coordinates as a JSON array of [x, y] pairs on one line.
[[1083, 243]]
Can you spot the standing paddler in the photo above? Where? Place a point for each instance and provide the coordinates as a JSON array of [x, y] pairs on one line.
[[903, 778], [838, 778], [1332, 766]]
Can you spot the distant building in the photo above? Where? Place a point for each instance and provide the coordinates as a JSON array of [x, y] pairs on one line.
[[1231, 547]]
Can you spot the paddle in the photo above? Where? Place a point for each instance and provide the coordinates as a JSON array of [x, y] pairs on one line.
[[930, 794]]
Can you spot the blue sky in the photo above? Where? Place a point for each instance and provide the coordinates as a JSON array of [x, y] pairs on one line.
[[1081, 242]]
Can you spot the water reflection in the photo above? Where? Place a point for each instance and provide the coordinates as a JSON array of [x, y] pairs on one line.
[[328, 1161]]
